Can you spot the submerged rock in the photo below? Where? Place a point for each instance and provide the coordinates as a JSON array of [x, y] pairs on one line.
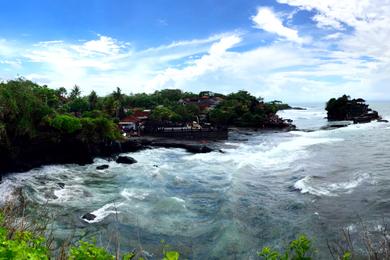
[[61, 185], [89, 216], [102, 167], [126, 160]]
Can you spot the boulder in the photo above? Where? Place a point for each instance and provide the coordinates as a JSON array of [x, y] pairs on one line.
[[61, 185], [102, 167], [89, 216], [126, 160]]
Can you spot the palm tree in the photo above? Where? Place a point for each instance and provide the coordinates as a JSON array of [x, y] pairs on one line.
[[118, 103], [75, 92], [92, 100]]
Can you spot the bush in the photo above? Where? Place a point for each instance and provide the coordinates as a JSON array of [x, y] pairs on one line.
[[88, 251], [21, 244], [299, 249]]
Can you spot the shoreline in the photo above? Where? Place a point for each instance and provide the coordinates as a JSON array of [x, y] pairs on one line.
[[67, 152], [45, 152]]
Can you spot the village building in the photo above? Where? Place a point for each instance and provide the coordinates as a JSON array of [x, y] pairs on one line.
[[133, 123]]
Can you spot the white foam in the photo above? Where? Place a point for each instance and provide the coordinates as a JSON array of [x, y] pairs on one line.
[[180, 200], [69, 193], [103, 212], [304, 185], [134, 194], [7, 189], [319, 187], [261, 155]]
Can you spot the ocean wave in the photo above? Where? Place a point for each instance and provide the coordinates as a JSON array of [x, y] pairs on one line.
[[69, 193], [266, 155], [105, 211], [318, 186], [134, 194]]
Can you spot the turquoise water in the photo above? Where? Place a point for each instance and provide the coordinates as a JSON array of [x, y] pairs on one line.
[[264, 190]]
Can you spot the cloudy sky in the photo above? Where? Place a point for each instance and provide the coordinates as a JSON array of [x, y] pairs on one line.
[[293, 50]]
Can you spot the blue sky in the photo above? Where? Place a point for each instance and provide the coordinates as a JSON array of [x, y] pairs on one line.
[[295, 50]]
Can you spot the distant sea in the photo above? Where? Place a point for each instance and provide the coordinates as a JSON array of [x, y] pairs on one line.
[[264, 190]]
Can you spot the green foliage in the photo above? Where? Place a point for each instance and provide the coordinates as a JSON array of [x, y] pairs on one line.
[[171, 255], [92, 100], [347, 256], [75, 92], [21, 245], [78, 105], [98, 129], [299, 249], [23, 105], [65, 123], [88, 251], [162, 113]]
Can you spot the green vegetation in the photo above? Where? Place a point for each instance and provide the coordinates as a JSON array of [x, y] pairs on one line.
[[19, 241], [299, 249], [345, 108], [243, 109], [29, 111]]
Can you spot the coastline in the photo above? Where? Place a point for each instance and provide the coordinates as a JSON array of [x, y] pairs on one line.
[[67, 151]]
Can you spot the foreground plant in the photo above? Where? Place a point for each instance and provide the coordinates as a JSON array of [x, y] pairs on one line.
[[299, 249], [21, 244]]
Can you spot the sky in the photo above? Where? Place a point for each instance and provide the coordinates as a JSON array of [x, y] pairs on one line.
[[290, 50]]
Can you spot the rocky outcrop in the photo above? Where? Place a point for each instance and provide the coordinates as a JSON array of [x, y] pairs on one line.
[[346, 109], [88, 217], [126, 160], [102, 167], [46, 151]]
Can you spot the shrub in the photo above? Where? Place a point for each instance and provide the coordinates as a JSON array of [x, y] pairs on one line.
[[21, 245], [299, 249], [88, 251]]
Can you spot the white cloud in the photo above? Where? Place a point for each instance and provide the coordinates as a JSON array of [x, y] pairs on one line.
[[207, 63], [353, 57], [267, 20]]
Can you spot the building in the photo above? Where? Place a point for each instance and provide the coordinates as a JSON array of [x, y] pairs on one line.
[[133, 122]]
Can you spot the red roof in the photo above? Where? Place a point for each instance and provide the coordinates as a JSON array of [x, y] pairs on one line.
[[137, 116], [130, 119], [139, 113]]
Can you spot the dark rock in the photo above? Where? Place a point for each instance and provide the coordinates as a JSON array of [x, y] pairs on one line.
[[89, 216], [155, 165], [298, 108], [125, 160], [221, 151], [383, 120], [61, 185], [345, 108], [102, 167]]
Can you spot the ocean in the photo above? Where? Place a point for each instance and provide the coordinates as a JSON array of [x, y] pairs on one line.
[[265, 189]]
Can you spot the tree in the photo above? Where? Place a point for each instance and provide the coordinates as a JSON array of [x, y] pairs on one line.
[[162, 113], [61, 92], [92, 100], [118, 103], [75, 92]]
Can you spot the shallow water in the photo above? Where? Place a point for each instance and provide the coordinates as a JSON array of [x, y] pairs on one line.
[[264, 190]]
